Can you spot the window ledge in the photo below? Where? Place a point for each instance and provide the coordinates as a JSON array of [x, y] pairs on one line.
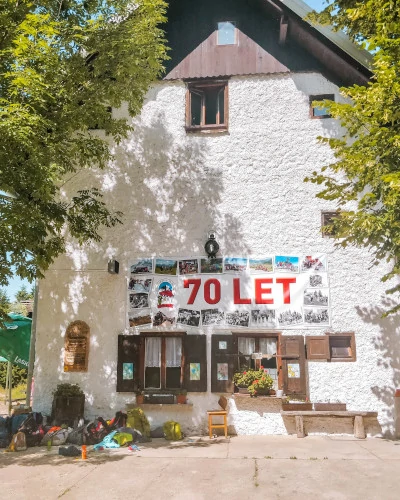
[[248, 396], [160, 406], [210, 129]]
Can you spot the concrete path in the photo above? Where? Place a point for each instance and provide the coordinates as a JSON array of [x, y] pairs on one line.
[[243, 467]]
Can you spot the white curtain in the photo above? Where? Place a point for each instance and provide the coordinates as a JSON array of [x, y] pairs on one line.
[[247, 345], [268, 346], [153, 352], [173, 352]]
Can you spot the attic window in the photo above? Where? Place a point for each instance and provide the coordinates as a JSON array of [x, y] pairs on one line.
[[320, 112], [207, 106], [327, 219], [226, 33]]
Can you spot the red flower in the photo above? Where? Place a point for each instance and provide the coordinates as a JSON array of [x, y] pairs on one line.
[[244, 373], [261, 367]]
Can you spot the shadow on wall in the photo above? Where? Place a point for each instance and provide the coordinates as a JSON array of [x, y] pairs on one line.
[[170, 200], [387, 346]]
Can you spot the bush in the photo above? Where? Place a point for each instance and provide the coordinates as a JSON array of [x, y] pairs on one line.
[[19, 375], [68, 390]]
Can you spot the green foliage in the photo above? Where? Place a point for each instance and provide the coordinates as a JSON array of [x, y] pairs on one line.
[[261, 385], [19, 375], [365, 180], [4, 302], [61, 65], [256, 381], [68, 390], [246, 377], [18, 308], [23, 294]]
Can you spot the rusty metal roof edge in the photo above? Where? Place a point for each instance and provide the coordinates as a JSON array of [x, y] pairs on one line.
[[339, 38]]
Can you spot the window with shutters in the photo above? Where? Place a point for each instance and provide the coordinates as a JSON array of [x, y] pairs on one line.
[[162, 363], [207, 106]]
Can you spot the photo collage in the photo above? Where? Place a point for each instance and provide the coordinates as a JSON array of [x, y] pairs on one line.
[[158, 276]]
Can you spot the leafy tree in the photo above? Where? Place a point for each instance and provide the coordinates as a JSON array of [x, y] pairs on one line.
[[62, 65], [365, 180], [19, 375], [4, 302], [23, 294]]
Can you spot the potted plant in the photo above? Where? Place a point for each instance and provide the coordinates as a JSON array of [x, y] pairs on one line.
[[261, 386], [243, 380], [181, 397], [68, 404]]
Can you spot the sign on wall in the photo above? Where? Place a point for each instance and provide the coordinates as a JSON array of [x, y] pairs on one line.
[[281, 291]]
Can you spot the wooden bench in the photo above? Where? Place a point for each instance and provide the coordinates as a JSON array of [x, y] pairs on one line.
[[359, 430]]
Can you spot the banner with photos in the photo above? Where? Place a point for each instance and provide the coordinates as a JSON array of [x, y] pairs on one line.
[[280, 291]]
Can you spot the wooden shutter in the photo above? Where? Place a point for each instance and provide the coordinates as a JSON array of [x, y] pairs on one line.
[[317, 347], [128, 363], [222, 358], [76, 347], [195, 350], [293, 365]]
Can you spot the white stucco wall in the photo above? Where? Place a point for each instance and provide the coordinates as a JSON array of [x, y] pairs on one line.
[[248, 186]]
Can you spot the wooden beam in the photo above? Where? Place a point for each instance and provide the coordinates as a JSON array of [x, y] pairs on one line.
[[283, 29]]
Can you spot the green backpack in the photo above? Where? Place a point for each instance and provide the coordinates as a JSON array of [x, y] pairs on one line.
[[172, 431]]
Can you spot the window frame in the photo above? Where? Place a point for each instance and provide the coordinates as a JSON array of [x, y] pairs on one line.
[[235, 34], [324, 215], [341, 335], [164, 336], [200, 87], [319, 97]]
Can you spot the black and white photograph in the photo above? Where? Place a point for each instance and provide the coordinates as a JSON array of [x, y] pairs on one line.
[[142, 285], [140, 318], [142, 266], [188, 317], [313, 263], [316, 297], [318, 281], [138, 300], [212, 317], [290, 317], [188, 266], [263, 317], [237, 318], [316, 316], [161, 319]]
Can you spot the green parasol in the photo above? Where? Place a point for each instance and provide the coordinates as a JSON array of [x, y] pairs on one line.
[[15, 339]]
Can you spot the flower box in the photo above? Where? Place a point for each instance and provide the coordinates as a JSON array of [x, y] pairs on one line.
[[297, 406], [330, 406]]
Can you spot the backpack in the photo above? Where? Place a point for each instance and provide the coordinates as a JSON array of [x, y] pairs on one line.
[[94, 432], [172, 431], [4, 432], [33, 429], [18, 442]]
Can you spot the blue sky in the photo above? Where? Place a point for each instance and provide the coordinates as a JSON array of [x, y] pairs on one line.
[[316, 4], [17, 283]]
